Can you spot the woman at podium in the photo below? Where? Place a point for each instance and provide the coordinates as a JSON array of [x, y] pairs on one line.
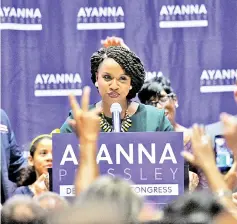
[[119, 74]]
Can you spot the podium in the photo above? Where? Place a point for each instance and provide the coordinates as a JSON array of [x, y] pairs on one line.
[[151, 160]]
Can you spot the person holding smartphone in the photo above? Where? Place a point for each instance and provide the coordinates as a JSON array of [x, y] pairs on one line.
[[224, 156], [217, 129], [217, 132], [230, 132]]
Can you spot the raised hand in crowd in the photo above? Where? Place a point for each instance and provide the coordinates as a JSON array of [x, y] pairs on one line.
[[86, 122], [231, 177], [113, 41], [87, 127], [230, 133], [203, 157]]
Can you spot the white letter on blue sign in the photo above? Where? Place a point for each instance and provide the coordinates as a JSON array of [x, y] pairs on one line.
[[107, 157], [171, 156], [128, 156], [69, 158], [142, 150]]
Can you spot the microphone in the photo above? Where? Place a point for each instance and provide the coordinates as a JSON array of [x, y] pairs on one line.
[[116, 110]]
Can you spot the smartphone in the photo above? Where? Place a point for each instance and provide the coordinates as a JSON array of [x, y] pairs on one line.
[[50, 179], [224, 156]]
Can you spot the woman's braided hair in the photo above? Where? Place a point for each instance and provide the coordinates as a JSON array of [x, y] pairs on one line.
[[129, 62]]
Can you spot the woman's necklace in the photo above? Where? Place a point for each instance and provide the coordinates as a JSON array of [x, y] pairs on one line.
[[107, 127]]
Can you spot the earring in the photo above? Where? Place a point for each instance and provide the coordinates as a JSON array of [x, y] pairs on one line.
[[96, 84], [130, 87], [176, 105]]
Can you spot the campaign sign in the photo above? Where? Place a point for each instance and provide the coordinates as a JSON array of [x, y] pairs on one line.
[[151, 160]]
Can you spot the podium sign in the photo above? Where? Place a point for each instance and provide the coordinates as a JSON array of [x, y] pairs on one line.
[[151, 160]]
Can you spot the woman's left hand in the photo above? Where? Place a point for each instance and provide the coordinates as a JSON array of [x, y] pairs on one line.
[[39, 185]]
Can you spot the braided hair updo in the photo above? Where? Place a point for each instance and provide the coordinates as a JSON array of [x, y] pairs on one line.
[[129, 62]]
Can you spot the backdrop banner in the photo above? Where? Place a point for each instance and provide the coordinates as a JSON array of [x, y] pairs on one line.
[[46, 48]]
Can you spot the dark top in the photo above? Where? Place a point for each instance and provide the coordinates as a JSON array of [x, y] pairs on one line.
[[24, 190], [147, 118], [12, 160]]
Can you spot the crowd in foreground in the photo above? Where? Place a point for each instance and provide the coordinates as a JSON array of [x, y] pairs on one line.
[[118, 74]]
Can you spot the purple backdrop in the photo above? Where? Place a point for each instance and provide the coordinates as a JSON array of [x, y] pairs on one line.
[[152, 161], [46, 45]]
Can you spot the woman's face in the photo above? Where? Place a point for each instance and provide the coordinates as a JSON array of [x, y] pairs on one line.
[[42, 159], [113, 83], [166, 102]]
